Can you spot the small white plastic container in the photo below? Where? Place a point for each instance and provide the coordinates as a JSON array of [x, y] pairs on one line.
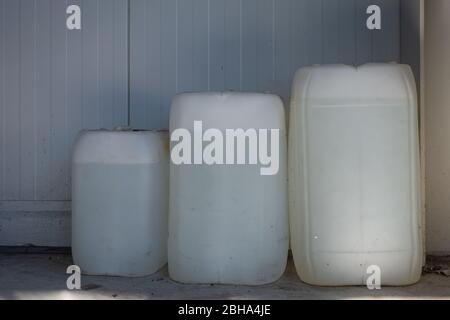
[[228, 223], [354, 175], [120, 202]]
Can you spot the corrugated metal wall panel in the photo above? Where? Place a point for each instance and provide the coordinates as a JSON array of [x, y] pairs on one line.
[[250, 45], [11, 97], [55, 82]]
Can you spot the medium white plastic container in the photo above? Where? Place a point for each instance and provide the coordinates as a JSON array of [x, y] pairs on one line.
[[228, 223], [120, 202], [354, 175]]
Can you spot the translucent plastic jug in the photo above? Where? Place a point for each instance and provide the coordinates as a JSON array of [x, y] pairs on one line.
[[120, 202], [228, 223], [354, 175]]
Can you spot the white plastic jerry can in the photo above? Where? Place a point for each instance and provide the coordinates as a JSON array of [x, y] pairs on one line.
[[354, 175], [228, 221], [120, 202]]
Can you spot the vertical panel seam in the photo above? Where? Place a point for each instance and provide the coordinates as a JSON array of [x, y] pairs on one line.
[[372, 40], [82, 78], [128, 33], [339, 32], [176, 46], [192, 46], [322, 31], [147, 57], [224, 46], [400, 30], [35, 141], [273, 43], [209, 45], [66, 122], [240, 46], [161, 99], [355, 36], [19, 195], [2, 97], [50, 60], [257, 69], [99, 96]]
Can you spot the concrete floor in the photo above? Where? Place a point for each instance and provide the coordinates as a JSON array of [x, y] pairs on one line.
[[42, 276]]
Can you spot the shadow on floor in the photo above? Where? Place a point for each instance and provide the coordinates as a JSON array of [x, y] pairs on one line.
[[41, 274]]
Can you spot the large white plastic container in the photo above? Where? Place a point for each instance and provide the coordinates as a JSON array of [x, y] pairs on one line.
[[354, 175], [228, 223], [120, 202]]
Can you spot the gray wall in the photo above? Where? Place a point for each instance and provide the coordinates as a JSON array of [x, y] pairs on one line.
[[250, 45], [55, 82]]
